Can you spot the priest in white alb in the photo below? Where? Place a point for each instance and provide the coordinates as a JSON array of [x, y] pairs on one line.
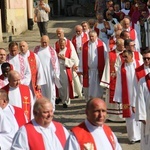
[[11, 118], [124, 92], [92, 64], [50, 64], [19, 63]]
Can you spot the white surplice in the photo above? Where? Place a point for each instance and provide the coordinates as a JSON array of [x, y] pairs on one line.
[[51, 142], [143, 112], [133, 126], [40, 80], [24, 70], [113, 109], [48, 90], [94, 89], [8, 127], [68, 62], [99, 136]]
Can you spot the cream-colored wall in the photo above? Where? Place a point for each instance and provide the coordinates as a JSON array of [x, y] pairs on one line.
[[16, 16], [0, 27]]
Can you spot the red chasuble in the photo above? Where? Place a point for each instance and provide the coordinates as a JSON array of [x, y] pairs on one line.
[[84, 39], [83, 135], [101, 62], [33, 68], [34, 137]]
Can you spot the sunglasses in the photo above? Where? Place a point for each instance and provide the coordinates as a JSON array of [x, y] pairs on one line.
[[144, 58]]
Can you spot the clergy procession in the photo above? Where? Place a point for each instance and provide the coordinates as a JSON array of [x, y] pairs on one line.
[[106, 62]]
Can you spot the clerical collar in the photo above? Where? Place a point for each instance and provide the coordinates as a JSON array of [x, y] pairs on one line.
[[127, 8]]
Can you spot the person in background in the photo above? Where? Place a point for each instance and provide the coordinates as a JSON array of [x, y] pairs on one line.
[[41, 16]]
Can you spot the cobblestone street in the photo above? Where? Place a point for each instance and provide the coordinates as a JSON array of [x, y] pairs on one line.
[[74, 114]]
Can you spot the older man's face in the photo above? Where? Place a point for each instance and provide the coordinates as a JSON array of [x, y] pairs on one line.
[[96, 114], [45, 114]]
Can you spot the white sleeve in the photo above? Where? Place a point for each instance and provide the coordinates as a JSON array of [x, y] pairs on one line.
[[20, 141], [40, 73], [118, 89], [72, 143], [27, 74]]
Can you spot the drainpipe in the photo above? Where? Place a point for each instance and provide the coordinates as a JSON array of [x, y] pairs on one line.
[[30, 14]]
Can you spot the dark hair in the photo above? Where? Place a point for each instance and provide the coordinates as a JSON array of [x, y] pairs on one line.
[[12, 44], [127, 42]]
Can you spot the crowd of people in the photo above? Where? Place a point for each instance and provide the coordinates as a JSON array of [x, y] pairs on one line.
[[108, 55]]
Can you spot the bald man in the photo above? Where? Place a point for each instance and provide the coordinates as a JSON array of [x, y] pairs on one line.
[[36, 69], [97, 135], [133, 33], [50, 64], [41, 133], [19, 95]]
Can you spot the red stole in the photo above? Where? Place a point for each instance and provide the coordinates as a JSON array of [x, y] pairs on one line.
[[84, 39], [112, 84], [101, 62], [147, 79], [68, 70], [52, 53], [33, 68], [125, 94], [140, 72], [83, 135], [136, 55], [25, 98], [2, 84], [69, 73], [34, 137], [97, 30], [19, 115], [111, 43], [132, 33]]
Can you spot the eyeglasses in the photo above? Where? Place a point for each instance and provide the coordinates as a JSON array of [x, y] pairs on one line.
[[146, 58]]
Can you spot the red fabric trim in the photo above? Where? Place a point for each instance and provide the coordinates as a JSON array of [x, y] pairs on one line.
[[97, 30], [140, 72], [33, 68], [69, 73], [125, 96], [83, 135], [60, 133], [110, 136], [74, 42], [81, 130], [6, 88], [85, 65], [132, 33], [26, 100], [101, 59], [111, 43], [136, 55], [147, 79], [35, 139], [112, 60], [19, 115]]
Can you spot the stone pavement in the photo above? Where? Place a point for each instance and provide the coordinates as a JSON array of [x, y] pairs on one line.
[[74, 114]]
